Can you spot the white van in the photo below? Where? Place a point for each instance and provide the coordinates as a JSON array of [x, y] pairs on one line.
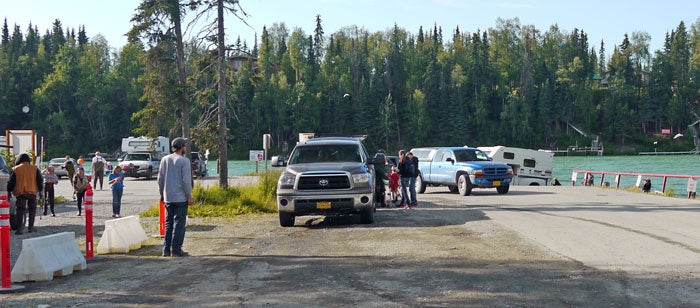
[[530, 167]]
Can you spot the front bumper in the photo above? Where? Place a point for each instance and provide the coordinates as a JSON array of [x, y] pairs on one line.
[[323, 203], [490, 182]]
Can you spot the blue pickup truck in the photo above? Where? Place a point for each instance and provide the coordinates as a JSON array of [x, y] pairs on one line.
[[461, 169]]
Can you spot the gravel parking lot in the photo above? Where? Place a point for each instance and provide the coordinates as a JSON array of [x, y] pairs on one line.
[[449, 251]]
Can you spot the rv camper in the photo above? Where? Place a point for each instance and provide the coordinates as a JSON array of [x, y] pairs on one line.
[[530, 167], [160, 145]]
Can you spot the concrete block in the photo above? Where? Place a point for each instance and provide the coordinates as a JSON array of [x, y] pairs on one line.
[[122, 235], [42, 258]]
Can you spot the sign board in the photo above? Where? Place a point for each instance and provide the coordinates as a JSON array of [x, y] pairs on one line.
[[692, 185], [666, 131], [257, 155]]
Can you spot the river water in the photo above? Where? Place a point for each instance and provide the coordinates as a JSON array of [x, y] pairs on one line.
[[564, 165]]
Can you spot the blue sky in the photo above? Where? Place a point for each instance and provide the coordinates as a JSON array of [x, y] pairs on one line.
[[606, 20]]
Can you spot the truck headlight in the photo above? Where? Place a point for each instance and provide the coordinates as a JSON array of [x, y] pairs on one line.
[[360, 178], [287, 180]]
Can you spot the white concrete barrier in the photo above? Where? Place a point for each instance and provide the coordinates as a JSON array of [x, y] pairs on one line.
[[42, 258], [122, 235]]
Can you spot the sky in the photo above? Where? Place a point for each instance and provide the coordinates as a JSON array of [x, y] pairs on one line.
[[606, 20]]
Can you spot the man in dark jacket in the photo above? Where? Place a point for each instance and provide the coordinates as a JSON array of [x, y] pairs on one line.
[[25, 184], [412, 167]]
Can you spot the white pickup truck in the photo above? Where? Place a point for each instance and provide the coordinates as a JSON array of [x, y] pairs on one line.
[[141, 164]]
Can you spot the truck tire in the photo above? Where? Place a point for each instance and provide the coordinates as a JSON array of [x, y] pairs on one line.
[[286, 219], [367, 216], [420, 185], [464, 185], [503, 189]]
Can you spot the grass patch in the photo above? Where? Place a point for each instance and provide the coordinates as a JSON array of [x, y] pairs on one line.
[[236, 200]]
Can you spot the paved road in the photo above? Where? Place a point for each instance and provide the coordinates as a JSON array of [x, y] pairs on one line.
[[603, 228]]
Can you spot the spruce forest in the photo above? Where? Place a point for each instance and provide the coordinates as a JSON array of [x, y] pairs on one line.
[[511, 84]]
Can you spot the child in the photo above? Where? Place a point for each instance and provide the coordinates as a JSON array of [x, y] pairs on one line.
[[394, 184], [50, 179], [116, 180]]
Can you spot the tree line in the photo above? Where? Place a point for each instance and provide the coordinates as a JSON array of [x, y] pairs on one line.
[[512, 84]]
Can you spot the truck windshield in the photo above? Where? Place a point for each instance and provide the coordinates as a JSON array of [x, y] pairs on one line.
[[136, 156], [326, 153], [470, 155]]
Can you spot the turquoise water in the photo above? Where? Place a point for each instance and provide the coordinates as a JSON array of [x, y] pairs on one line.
[[663, 164]]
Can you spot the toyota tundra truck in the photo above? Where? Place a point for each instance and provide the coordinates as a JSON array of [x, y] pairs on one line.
[[327, 176], [461, 169]]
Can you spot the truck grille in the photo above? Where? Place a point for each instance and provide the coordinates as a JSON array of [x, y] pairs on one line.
[[310, 182], [495, 171]]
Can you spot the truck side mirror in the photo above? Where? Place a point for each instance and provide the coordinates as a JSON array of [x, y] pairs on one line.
[[449, 159]]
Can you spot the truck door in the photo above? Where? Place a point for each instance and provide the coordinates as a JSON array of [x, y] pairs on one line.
[[442, 170]]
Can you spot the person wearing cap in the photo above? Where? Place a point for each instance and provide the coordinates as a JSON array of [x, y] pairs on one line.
[[25, 183], [175, 188]]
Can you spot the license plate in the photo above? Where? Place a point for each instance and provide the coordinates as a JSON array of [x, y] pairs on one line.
[[496, 183], [321, 205]]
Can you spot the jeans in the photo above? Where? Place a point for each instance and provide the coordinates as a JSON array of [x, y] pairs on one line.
[[412, 190], [117, 200], [406, 199], [175, 219], [80, 195]]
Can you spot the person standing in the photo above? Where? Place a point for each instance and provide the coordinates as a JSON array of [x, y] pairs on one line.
[[25, 183], [80, 184], [98, 169], [50, 179], [80, 161], [405, 179], [70, 168], [175, 188], [116, 180], [413, 173]]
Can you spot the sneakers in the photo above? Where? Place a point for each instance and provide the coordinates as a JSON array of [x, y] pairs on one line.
[[181, 254], [18, 232], [31, 229], [166, 253]]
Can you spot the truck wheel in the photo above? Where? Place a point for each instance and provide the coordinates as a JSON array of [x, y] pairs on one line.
[[503, 189], [464, 185], [286, 219], [420, 185], [367, 216], [452, 188]]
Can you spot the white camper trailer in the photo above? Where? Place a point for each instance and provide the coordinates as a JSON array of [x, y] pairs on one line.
[[530, 167], [160, 145]]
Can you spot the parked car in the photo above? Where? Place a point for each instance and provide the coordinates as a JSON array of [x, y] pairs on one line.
[[199, 167], [57, 164]]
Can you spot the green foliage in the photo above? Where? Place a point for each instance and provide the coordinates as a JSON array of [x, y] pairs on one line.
[[510, 84], [215, 201]]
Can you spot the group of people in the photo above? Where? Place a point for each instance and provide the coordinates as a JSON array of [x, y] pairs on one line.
[[404, 173], [27, 183]]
